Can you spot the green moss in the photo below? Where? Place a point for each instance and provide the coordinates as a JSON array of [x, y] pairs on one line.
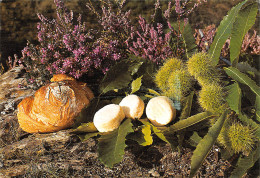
[[211, 98]]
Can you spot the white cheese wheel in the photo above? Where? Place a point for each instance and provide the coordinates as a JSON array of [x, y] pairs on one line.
[[133, 106], [160, 111], [108, 118]]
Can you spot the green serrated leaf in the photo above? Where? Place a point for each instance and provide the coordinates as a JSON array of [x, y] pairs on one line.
[[189, 41], [204, 146], [111, 145], [244, 21], [85, 127], [242, 78], [85, 137], [223, 32], [120, 75], [182, 124], [245, 163], [234, 97], [143, 136], [136, 84], [187, 106]]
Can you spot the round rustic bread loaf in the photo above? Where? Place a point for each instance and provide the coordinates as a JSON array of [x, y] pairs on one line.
[[54, 106]]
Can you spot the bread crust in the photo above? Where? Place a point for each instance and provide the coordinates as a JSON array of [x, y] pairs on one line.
[[54, 106]]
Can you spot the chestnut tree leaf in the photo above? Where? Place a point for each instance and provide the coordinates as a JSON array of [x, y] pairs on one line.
[[182, 124], [245, 163], [244, 21], [136, 84], [120, 75], [143, 136], [85, 127], [111, 145], [204, 146], [223, 32], [84, 137], [242, 78], [233, 97]]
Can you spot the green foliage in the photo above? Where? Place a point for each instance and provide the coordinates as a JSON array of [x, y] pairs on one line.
[[136, 84], [85, 127], [143, 135], [211, 98], [206, 144], [201, 67], [244, 21], [223, 32], [245, 163], [188, 40], [187, 104], [257, 108], [182, 124], [233, 97], [111, 145], [195, 139], [119, 75], [242, 78], [85, 137]]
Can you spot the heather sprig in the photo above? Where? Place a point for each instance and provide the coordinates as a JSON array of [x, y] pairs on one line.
[[149, 42]]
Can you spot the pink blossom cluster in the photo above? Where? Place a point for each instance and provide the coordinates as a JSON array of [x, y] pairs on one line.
[[149, 42]]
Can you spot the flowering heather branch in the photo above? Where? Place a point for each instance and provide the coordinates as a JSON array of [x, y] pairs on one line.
[[66, 47], [149, 42]]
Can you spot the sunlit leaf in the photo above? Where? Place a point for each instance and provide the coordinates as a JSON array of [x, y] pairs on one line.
[[85, 137], [244, 21], [153, 92], [143, 136], [234, 97], [223, 32], [111, 145], [85, 127], [136, 84], [242, 78], [204, 146], [245, 163]]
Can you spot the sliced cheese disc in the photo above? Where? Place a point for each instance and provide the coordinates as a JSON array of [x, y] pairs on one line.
[[108, 118], [133, 106], [160, 111]]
